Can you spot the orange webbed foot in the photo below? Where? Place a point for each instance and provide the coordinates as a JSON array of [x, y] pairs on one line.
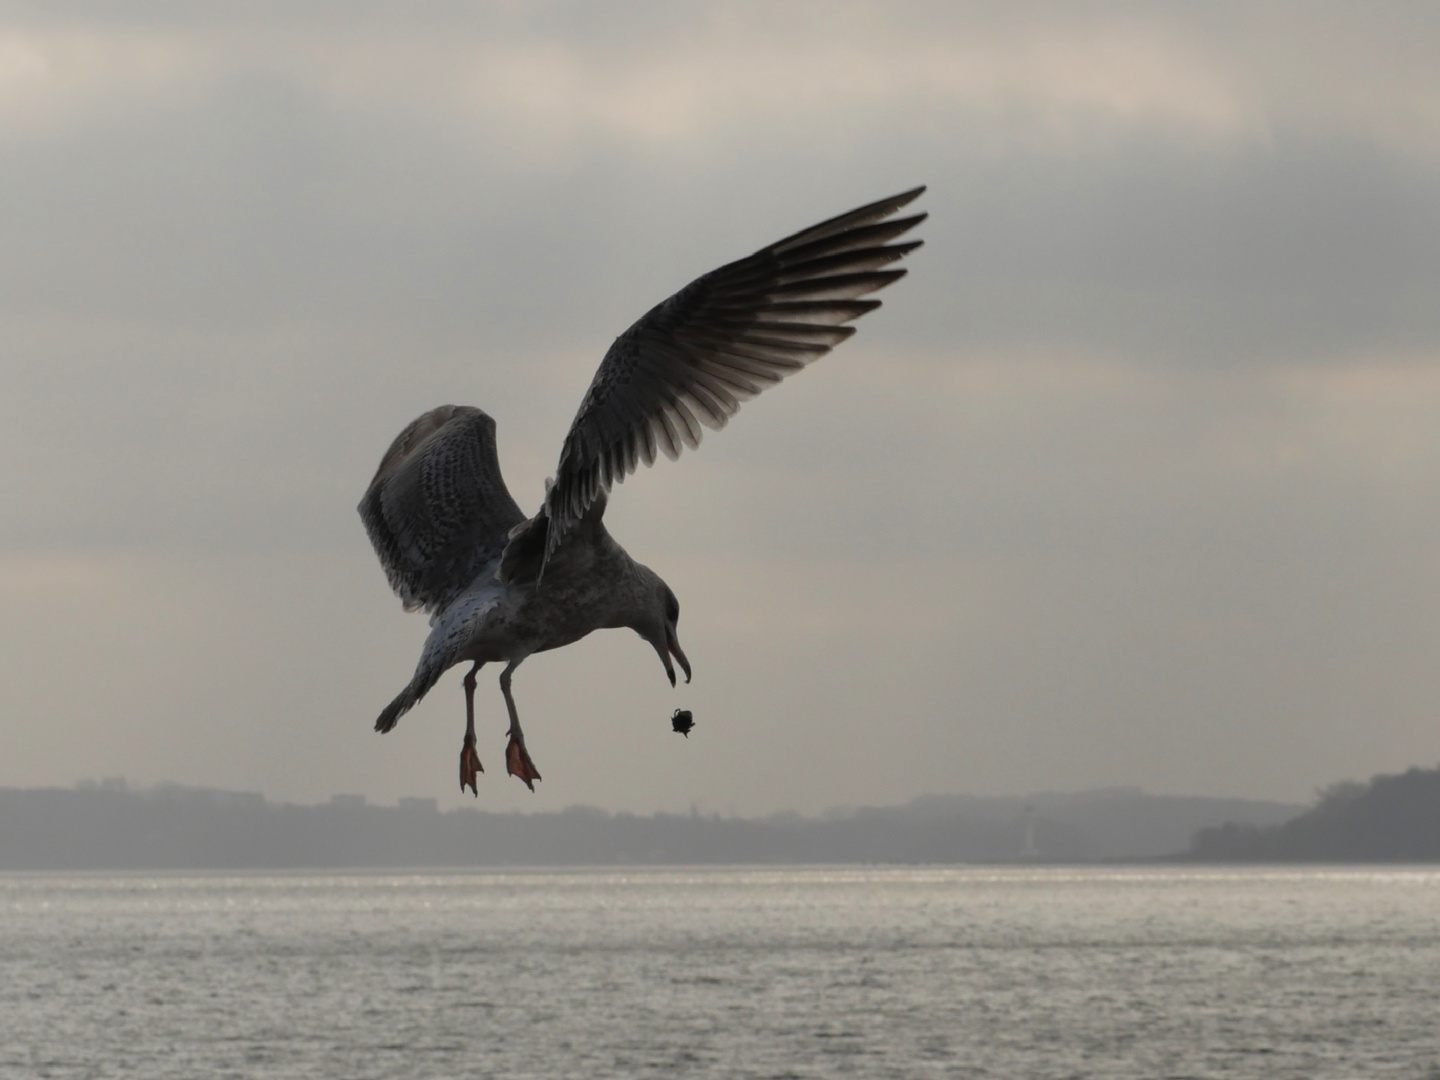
[[518, 763], [470, 766]]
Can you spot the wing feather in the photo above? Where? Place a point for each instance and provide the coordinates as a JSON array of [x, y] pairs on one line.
[[438, 510], [725, 337]]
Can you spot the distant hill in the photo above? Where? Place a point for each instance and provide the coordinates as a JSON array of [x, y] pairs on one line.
[[1393, 818], [1116, 823], [170, 827]]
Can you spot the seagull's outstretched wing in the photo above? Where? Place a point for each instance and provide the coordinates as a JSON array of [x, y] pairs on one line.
[[720, 340], [438, 510]]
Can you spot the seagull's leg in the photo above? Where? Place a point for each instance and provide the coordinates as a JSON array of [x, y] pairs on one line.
[[469, 760], [517, 758]]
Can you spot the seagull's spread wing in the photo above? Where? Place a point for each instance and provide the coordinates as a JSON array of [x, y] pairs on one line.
[[438, 510], [719, 341]]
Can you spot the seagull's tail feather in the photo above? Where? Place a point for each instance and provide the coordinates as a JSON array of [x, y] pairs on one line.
[[426, 676], [444, 648]]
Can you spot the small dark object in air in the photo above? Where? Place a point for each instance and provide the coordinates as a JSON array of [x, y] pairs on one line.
[[683, 721]]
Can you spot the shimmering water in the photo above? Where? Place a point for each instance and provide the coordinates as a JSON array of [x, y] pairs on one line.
[[1032, 972]]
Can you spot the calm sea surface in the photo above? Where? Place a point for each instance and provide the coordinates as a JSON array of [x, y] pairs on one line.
[[968, 972]]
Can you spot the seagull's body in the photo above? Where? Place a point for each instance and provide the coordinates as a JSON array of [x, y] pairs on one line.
[[501, 586]]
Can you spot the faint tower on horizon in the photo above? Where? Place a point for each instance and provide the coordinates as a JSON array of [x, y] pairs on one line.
[[1028, 850]]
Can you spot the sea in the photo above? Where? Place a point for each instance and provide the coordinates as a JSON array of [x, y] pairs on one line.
[[1026, 972]]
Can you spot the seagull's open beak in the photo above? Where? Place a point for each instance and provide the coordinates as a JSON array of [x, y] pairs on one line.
[[673, 644]]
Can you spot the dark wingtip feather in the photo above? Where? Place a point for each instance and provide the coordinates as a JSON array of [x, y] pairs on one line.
[[863, 215]]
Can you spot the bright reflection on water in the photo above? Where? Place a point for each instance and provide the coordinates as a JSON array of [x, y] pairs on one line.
[[1029, 972]]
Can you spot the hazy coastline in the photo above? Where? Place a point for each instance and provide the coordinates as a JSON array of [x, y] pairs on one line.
[[172, 827]]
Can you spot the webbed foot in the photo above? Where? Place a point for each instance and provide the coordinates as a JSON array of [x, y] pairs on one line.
[[518, 763], [469, 765]]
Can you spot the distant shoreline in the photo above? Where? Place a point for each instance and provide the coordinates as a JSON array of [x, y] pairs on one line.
[[112, 828], [1392, 820]]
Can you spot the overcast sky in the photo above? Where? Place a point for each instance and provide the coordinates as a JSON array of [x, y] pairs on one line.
[[1134, 480]]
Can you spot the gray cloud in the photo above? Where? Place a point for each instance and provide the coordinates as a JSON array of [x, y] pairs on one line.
[[1132, 480]]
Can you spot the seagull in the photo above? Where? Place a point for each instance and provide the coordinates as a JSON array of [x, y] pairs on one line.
[[500, 586]]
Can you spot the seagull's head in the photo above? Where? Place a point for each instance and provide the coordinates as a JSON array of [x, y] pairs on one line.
[[657, 624]]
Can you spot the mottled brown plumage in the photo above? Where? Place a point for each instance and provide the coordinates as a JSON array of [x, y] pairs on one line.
[[499, 586]]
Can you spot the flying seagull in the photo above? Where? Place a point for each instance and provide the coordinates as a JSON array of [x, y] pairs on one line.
[[500, 586]]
